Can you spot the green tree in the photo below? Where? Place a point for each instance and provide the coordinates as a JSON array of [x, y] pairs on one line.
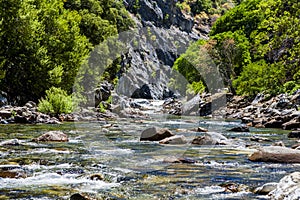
[[256, 47], [40, 46]]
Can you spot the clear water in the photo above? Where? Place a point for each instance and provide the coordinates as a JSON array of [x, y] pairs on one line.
[[132, 169]]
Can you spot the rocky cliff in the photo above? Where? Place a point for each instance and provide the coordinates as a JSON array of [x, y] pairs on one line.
[[163, 32]]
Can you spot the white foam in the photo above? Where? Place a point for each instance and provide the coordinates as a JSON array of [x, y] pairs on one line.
[[210, 190], [48, 179]]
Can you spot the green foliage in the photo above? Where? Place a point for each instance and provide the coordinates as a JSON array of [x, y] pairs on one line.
[[102, 108], [40, 46], [44, 43], [255, 46], [196, 88], [101, 19], [208, 6], [56, 102]]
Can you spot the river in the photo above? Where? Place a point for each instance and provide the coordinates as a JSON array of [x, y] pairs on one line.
[[106, 160]]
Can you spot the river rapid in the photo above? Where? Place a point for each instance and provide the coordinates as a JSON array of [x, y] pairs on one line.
[[107, 160]]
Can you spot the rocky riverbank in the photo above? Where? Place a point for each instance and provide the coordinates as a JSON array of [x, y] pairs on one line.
[[281, 111]]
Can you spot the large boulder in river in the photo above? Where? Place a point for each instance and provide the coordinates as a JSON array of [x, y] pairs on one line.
[[155, 134], [288, 188], [276, 154], [266, 188], [176, 139], [52, 136], [211, 139]]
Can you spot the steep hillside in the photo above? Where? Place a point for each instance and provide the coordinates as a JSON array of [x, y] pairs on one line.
[[255, 46], [165, 30]]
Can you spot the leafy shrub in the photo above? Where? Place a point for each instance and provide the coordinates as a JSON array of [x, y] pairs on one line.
[[196, 88], [57, 101]]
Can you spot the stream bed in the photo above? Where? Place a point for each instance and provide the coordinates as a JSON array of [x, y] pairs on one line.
[[106, 160]]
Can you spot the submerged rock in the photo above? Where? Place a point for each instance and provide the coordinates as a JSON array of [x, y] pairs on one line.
[[276, 154], [179, 160], [288, 188], [176, 139], [155, 134], [52, 136]]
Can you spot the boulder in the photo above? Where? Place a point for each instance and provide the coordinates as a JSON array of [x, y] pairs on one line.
[[279, 143], [12, 171], [295, 123], [21, 119], [265, 189], [259, 98], [240, 129], [276, 154], [52, 136], [155, 134], [176, 139], [191, 105], [288, 188], [199, 129], [296, 146], [274, 123], [211, 139], [5, 114], [103, 92], [96, 177], [30, 105], [294, 134]]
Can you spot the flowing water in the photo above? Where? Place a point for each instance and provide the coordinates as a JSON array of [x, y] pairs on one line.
[[106, 160]]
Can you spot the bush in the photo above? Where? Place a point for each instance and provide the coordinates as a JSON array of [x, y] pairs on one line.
[[57, 101], [195, 88]]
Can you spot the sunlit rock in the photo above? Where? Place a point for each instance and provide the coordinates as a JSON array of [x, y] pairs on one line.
[[52, 136], [156, 134]]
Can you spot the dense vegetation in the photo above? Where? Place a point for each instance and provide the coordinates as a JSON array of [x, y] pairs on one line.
[[255, 46], [43, 43]]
